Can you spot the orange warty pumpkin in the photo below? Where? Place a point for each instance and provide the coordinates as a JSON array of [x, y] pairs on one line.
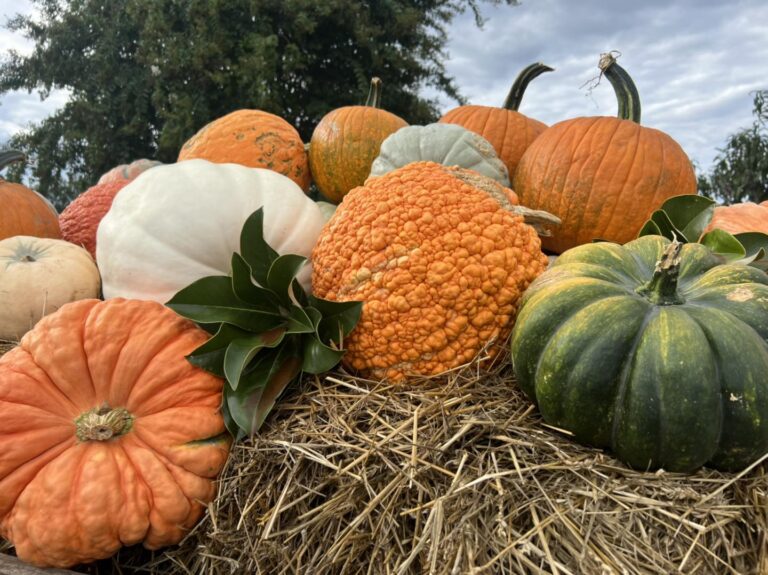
[[346, 142], [508, 131], [24, 212], [739, 218], [80, 219], [252, 138], [603, 177], [438, 256], [109, 436]]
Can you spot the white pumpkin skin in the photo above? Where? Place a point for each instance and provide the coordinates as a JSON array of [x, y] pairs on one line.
[[177, 223], [37, 277], [447, 144]]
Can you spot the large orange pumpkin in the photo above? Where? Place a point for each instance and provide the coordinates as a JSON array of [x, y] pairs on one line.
[[109, 436], [80, 219], [602, 176], [508, 131], [22, 211], [346, 142], [252, 138], [739, 218]]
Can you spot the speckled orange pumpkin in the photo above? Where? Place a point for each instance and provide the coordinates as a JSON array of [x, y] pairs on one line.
[[24, 212], [128, 171], [109, 436], [602, 176], [439, 263], [252, 138], [508, 131], [740, 218], [346, 142], [80, 219]]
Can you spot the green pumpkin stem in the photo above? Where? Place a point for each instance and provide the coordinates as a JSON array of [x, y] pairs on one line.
[[374, 93], [662, 288], [525, 77], [626, 91], [9, 156]]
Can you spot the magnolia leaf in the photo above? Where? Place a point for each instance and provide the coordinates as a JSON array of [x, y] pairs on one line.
[[281, 274], [250, 319], [665, 225], [210, 355], [260, 387], [690, 214], [299, 321], [318, 357], [755, 244], [246, 290], [299, 294], [229, 421], [242, 350], [650, 228], [339, 317], [314, 315], [213, 290], [724, 244], [254, 248]]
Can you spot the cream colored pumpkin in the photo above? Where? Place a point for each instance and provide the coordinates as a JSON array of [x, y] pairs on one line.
[[177, 223], [447, 144], [37, 277]]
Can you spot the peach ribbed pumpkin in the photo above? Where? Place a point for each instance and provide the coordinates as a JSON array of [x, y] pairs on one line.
[[739, 218], [603, 177], [109, 436], [252, 138], [508, 131], [24, 212], [80, 219]]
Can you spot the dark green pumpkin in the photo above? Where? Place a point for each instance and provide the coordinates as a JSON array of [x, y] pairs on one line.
[[664, 361]]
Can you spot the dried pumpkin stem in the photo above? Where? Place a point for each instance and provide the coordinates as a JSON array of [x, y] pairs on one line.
[[515, 96], [662, 288], [539, 220], [626, 91], [374, 94], [103, 423]]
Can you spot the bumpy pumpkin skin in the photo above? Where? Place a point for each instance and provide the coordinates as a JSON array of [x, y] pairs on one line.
[[26, 213], [344, 145], [255, 139], [128, 172], [65, 500], [740, 218], [445, 144], [672, 384], [602, 176], [80, 219], [37, 277], [439, 264]]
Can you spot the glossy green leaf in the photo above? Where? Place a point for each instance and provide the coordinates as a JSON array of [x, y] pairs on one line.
[[665, 225], [213, 290], [723, 243], [338, 317], [210, 355], [299, 294], [690, 214], [299, 321], [246, 290], [254, 249], [650, 228], [281, 274], [318, 357], [229, 421], [242, 350], [755, 244], [250, 319]]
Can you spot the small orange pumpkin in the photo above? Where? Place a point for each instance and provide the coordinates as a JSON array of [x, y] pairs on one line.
[[252, 138], [80, 219], [109, 436], [739, 218], [347, 141], [24, 212], [508, 131], [602, 176]]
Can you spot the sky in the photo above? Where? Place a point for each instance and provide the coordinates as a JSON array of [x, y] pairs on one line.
[[695, 63]]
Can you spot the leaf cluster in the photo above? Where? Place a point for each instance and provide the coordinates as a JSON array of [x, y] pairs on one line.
[[266, 330]]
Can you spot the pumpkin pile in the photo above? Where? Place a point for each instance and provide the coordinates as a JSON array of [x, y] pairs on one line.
[[223, 282]]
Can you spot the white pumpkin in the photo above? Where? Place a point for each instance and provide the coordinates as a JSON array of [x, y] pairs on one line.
[[37, 277], [177, 223], [447, 144]]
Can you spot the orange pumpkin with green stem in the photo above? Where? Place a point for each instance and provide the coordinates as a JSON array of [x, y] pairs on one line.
[[346, 142], [24, 212], [508, 131], [109, 436], [602, 176]]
